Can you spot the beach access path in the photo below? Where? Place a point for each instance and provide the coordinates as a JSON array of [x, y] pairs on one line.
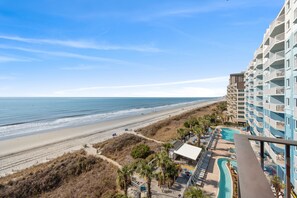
[[22, 152]]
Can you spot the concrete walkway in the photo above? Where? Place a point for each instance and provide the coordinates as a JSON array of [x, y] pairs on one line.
[[211, 184]]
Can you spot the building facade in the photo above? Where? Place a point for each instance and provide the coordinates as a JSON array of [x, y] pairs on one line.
[[235, 98], [271, 87]]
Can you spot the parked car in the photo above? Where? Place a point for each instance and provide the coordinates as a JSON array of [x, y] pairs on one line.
[[114, 135]]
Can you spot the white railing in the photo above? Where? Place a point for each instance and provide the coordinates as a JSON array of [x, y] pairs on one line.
[[275, 91], [277, 74], [277, 107], [279, 125], [276, 56], [258, 82], [259, 114], [259, 124], [278, 38], [295, 15], [258, 73], [259, 61], [278, 21]]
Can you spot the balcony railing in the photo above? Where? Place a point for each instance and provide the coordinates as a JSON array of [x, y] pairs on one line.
[[259, 114], [259, 51], [295, 16], [259, 93], [249, 167], [266, 64], [275, 91], [278, 125], [259, 61], [258, 82], [278, 38], [278, 21], [259, 124], [279, 108], [258, 73], [277, 74], [278, 56], [258, 103]]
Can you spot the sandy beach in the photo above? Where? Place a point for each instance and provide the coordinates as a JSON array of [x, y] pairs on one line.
[[23, 152]]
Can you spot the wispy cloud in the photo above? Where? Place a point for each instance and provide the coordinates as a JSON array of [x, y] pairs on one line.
[[205, 80], [66, 55], [4, 59], [79, 68], [82, 44]]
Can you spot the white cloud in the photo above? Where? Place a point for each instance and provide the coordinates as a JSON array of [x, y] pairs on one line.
[[200, 87], [82, 44], [4, 59]]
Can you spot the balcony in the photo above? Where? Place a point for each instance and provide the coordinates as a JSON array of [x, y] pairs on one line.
[[258, 103], [276, 24], [258, 82], [277, 58], [266, 64], [275, 91], [258, 124], [278, 108], [295, 16], [277, 74], [259, 62], [259, 51], [258, 73], [259, 93], [278, 125], [277, 42], [259, 114]]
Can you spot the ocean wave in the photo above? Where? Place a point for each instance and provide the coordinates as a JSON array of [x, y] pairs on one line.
[[25, 128]]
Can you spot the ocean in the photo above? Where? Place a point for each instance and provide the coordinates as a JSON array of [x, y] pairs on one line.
[[23, 116]]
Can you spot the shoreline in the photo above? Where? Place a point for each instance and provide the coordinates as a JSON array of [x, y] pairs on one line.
[[22, 152]]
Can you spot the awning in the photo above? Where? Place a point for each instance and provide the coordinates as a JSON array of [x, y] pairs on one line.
[[188, 151]]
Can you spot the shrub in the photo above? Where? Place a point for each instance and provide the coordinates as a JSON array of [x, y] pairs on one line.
[[140, 151]]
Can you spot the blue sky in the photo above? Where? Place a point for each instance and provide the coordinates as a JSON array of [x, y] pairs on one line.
[[175, 48]]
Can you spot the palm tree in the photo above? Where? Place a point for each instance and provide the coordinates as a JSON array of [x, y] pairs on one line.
[[198, 131], [146, 171], [124, 178], [162, 159], [193, 192], [190, 123], [278, 185], [182, 133], [167, 146]]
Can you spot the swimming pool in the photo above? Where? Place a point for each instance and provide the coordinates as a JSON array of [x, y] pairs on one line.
[[225, 183], [228, 134]]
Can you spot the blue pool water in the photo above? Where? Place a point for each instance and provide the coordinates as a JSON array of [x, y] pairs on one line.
[[228, 134], [225, 186]]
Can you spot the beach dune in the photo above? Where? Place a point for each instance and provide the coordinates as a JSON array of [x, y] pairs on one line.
[[23, 152]]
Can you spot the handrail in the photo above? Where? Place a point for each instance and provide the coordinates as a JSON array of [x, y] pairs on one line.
[[252, 180]]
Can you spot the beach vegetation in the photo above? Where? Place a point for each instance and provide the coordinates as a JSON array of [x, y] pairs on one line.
[[277, 185], [194, 192], [146, 170], [140, 151], [124, 178]]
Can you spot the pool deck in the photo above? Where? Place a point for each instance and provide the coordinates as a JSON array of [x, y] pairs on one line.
[[211, 184]]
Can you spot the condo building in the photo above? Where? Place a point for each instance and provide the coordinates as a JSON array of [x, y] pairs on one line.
[[235, 98], [271, 88]]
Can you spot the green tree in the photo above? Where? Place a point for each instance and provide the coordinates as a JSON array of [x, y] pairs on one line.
[[193, 192], [198, 131], [182, 133], [167, 146], [162, 159], [140, 151], [146, 170], [124, 178], [278, 185]]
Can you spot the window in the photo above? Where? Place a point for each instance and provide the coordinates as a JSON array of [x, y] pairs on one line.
[[288, 5], [288, 83], [288, 44], [296, 125], [288, 24], [288, 63], [295, 60], [296, 102], [288, 101], [288, 121]]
